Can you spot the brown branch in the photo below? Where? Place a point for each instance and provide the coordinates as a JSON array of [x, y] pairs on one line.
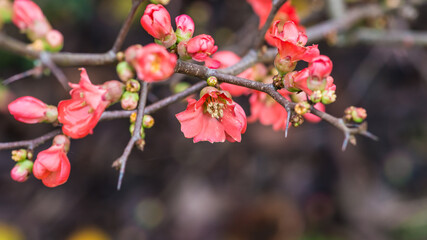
[[57, 72], [122, 160], [108, 115], [20, 76], [30, 144], [126, 26]]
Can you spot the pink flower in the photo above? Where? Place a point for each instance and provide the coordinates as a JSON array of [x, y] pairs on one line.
[[267, 110], [52, 165], [215, 117], [320, 67], [157, 22], [290, 42], [28, 16], [313, 118], [21, 170], [80, 114], [154, 63], [297, 81], [184, 27], [201, 47], [31, 110]]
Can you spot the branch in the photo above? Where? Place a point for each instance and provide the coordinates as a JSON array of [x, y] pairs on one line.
[[22, 75], [46, 61], [126, 26], [402, 37], [121, 161], [30, 144], [157, 105]]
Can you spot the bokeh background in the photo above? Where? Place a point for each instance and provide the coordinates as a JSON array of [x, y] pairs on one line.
[[268, 187]]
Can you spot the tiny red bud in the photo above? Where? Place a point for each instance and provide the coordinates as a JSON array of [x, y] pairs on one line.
[[129, 100], [184, 27], [148, 121], [21, 170], [133, 85], [125, 71]]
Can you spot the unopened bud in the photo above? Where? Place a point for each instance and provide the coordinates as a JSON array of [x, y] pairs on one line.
[[212, 81], [21, 171], [284, 65], [51, 114], [30, 155], [328, 96], [62, 140], [19, 155], [129, 100], [114, 90], [132, 129], [133, 86], [297, 120], [316, 96], [140, 144], [120, 56], [148, 121], [54, 41], [278, 82], [132, 117], [125, 71], [302, 107], [184, 28]]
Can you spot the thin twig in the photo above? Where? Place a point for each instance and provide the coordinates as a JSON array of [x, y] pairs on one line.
[[126, 26], [136, 134], [45, 59], [20, 76], [30, 144]]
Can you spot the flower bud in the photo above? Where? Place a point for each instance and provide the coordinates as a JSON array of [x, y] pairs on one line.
[[278, 82], [179, 87], [148, 121], [297, 120], [284, 65], [21, 171], [133, 86], [316, 96], [125, 71], [157, 22], [302, 108], [114, 90], [62, 140], [184, 28], [132, 128], [19, 155], [354, 114], [320, 67], [129, 100], [132, 117], [140, 144], [212, 81], [54, 41], [31, 110], [328, 96]]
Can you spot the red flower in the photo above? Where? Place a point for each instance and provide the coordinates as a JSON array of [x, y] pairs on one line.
[[80, 114], [290, 42], [267, 110], [297, 81], [31, 110], [52, 165], [28, 16], [320, 67], [157, 22], [201, 47], [153, 62], [215, 117]]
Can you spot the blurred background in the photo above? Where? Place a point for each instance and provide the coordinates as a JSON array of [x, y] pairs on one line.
[[267, 187]]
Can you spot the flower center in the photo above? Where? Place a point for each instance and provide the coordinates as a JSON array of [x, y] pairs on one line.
[[215, 109]]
